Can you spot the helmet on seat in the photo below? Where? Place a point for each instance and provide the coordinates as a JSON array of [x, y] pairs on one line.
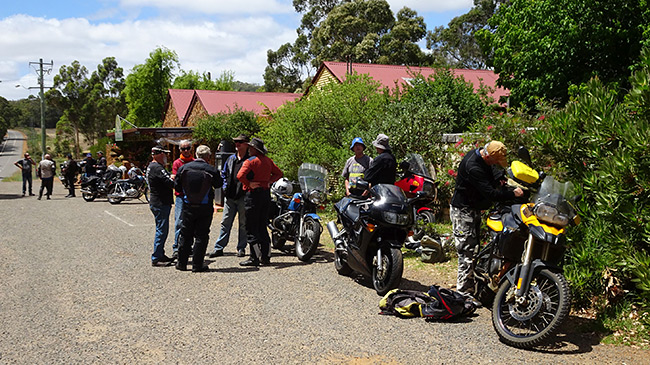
[[282, 187]]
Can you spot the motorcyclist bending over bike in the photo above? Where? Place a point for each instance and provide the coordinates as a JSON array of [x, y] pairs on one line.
[[477, 187]]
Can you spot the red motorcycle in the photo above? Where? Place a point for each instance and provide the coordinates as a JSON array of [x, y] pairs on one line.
[[417, 178]]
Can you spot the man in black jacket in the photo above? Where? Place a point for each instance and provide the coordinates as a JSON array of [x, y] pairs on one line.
[[234, 199], [196, 181], [160, 202], [476, 190], [383, 167], [70, 170]]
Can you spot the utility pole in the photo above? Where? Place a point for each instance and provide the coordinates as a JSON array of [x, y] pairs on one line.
[[40, 73]]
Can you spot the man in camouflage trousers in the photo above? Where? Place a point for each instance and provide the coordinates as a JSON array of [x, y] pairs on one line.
[[476, 189]]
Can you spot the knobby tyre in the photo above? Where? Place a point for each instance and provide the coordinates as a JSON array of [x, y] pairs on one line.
[[528, 324], [306, 246], [390, 275]]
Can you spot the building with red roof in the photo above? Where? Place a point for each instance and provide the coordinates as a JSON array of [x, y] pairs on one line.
[[391, 76]]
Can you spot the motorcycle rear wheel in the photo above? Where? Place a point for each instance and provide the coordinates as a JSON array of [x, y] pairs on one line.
[[88, 197], [306, 246], [424, 217], [391, 274], [340, 264], [529, 324]]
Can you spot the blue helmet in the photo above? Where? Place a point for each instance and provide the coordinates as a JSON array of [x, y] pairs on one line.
[[359, 141]]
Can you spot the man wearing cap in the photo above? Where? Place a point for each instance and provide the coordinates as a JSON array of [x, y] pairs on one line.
[[233, 192], [476, 190], [355, 166], [101, 162], [383, 167], [25, 165], [196, 181], [89, 165], [256, 175], [160, 202], [186, 156]]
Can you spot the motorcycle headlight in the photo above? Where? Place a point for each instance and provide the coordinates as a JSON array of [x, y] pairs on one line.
[[550, 214], [400, 219], [316, 197]]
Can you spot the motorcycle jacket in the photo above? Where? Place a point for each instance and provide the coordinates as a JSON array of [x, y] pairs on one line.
[[195, 181], [160, 185], [232, 187], [477, 187], [382, 169]]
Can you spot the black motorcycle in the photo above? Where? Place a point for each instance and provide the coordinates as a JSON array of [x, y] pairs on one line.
[[374, 230], [94, 186], [294, 217]]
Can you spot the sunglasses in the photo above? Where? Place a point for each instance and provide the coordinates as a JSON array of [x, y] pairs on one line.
[[186, 148]]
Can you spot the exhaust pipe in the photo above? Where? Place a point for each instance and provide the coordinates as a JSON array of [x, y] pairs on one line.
[[333, 230]]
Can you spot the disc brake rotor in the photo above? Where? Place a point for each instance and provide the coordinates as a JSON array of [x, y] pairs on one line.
[[528, 307]]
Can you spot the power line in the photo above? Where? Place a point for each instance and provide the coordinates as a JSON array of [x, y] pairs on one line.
[[40, 71]]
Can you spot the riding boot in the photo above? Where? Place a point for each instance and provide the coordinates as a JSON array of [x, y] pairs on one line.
[[256, 251]]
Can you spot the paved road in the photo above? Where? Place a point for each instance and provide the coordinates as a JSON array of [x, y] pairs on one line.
[[11, 150], [77, 288]]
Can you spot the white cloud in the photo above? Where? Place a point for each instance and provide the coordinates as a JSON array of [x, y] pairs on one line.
[[215, 7], [238, 44], [434, 6]]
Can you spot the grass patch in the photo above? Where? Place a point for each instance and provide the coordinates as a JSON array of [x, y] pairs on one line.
[[628, 324]]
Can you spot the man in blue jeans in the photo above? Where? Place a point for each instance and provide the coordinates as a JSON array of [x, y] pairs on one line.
[[234, 199], [161, 186], [186, 156]]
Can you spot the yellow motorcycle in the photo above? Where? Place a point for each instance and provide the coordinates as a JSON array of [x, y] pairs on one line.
[[518, 272]]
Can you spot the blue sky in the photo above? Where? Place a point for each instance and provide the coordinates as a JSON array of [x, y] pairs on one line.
[[208, 35]]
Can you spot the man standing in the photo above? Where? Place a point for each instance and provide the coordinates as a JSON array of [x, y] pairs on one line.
[[101, 162], [46, 170], [256, 175], [89, 165], [234, 199], [160, 202], [186, 156], [383, 167], [196, 180], [25, 165], [476, 190], [69, 170], [355, 166]]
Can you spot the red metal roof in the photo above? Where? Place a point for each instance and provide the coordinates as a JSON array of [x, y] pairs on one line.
[[387, 75], [181, 99], [225, 101]]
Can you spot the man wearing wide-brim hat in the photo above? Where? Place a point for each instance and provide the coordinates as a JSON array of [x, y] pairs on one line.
[[233, 193], [383, 167], [256, 175]]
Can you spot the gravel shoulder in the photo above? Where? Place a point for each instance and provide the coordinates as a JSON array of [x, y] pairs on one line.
[[78, 288]]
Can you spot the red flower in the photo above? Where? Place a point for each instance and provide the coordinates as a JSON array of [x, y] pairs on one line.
[[447, 183], [451, 172], [462, 154], [460, 141], [522, 131], [490, 127], [541, 117]]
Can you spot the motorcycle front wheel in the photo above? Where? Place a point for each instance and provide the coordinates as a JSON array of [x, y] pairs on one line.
[[531, 321], [113, 200], [88, 197], [306, 245], [390, 275]]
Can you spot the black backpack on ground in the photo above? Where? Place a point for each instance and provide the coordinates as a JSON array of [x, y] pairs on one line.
[[437, 304]]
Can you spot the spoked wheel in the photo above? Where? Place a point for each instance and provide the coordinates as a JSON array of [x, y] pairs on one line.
[[527, 322], [113, 200], [277, 241], [422, 218], [88, 197], [306, 246], [390, 275]]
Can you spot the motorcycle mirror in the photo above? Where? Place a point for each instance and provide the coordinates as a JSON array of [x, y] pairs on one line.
[[404, 165], [523, 154], [362, 184]]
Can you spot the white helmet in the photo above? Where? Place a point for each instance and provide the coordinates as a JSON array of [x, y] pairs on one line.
[[282, 187]]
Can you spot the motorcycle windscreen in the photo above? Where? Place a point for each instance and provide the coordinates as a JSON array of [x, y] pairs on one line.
[[418, 166], [388, 195], [312, 177]]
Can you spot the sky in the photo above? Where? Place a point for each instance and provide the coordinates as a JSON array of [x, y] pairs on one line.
[[207, 35]]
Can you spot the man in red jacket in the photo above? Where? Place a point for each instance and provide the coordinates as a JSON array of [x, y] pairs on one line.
[[256, 175], [186, 156]]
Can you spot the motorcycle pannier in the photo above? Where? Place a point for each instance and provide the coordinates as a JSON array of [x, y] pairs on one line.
[[522, 172]]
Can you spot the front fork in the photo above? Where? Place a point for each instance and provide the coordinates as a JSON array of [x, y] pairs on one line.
[[525, 274]]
